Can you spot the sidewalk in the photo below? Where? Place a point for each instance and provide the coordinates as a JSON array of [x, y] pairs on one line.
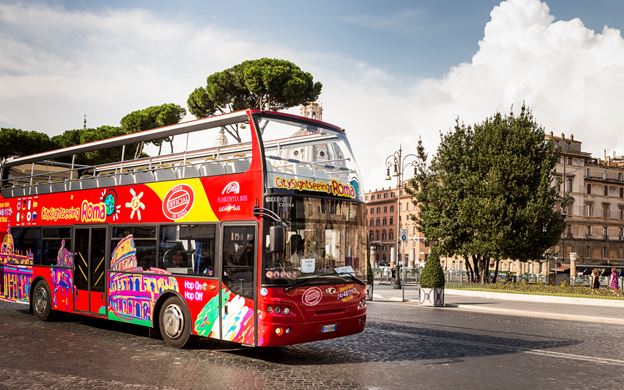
[[522, 305]]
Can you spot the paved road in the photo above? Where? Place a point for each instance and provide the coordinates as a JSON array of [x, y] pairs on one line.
[[403, 347]]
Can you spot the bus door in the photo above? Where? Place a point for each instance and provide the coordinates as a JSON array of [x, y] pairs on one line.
[[89, 266], [238, 288]]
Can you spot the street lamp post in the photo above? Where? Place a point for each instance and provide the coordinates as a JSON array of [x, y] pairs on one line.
[[398, 163]]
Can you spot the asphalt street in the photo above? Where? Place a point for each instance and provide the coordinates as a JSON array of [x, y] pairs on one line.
[[404, 347]]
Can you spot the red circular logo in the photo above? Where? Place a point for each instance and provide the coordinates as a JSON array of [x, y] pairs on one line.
[[178, 202], [312, 296]]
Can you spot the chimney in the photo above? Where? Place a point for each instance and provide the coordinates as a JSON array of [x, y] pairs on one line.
[[562, 135], [572, 137]]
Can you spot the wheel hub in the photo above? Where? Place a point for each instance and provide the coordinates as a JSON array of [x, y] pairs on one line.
[[41, 300], [173, 321]]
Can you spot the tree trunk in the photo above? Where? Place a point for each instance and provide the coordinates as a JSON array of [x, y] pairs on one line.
[[469, 270], [496, 271], [483, 264], [475, 264]]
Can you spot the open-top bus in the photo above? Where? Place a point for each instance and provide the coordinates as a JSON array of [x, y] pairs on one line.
[[259, 239]]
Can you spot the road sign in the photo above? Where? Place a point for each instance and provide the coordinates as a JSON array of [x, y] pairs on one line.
[[403, 235]]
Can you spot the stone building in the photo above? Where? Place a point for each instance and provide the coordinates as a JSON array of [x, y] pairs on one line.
[[381, 214], [385, 219], [594, 233]]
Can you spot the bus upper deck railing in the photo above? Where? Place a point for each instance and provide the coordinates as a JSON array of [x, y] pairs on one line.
[[49, 176], [41, 174]]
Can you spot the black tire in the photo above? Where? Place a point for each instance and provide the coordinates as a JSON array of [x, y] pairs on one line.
[[175, 323], [41, 301]]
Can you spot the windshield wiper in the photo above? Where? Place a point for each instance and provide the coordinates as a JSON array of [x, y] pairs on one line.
[[317, 279], [329, 277], [353, 278]]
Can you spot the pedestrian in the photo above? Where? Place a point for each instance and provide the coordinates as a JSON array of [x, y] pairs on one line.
[[613, 280], [595, 279]]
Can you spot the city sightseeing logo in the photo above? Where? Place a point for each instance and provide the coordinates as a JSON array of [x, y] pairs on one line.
[[232, 187], [333, 187]]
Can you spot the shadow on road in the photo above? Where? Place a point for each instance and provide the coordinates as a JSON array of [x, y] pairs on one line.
[[381, 342]]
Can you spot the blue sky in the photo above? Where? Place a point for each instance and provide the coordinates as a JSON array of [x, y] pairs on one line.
[[393, 71], [412, 38]]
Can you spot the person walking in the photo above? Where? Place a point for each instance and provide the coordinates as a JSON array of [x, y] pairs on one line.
[[613, 279], [595, 279]]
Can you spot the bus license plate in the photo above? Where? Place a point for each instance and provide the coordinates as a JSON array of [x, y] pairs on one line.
[[328, 328]]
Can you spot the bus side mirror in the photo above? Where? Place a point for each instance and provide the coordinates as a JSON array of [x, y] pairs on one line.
[[276, 239]]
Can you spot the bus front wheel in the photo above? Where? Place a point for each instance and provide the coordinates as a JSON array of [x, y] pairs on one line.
[[175, 323], [41, 301]]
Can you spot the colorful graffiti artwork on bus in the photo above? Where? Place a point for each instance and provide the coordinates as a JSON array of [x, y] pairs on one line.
[[207, 322], [16, 270], [133, 291], [62, 280], [238, 324]]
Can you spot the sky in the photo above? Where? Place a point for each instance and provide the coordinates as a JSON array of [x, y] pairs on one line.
[[392, 71]]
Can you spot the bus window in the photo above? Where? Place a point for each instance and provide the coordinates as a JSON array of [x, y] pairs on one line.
[[26, 246], [187, 249], [144, 238], [57, 247]]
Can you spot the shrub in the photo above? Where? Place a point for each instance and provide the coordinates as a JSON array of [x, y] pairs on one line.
[[432, 275]]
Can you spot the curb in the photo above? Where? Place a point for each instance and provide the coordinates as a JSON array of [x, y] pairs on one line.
[[511, 312], [538, 314], [537, 298], [381, 298]]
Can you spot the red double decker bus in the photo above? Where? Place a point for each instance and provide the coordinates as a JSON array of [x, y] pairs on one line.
[[252, 231]]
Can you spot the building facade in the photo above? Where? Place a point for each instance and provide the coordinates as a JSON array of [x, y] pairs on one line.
[[594, 233], [387, 218]]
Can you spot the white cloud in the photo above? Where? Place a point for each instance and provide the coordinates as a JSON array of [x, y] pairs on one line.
[[571, 77], [59, 65]]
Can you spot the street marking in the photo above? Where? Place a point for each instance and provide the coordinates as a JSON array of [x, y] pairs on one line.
[[530, 351]]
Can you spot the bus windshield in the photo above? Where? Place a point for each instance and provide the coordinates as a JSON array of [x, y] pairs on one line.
[[325, 241], [305, 156]]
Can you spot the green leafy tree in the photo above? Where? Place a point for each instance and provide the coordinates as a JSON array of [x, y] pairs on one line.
[[16, 142], [82, 136], [489, 192], [265, 83], [150, 118]]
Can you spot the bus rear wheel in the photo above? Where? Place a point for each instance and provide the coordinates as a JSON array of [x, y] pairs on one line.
[[41, 301], [175, 323]]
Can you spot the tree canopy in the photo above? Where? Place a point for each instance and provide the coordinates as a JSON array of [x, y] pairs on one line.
[[82, 136], [16, 142], [150, 118], [489, 192], [265, 83]]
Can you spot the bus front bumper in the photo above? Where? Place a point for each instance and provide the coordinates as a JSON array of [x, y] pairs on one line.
[[274, 334]]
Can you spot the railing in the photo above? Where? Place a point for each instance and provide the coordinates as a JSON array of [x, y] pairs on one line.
[[207, 162]]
